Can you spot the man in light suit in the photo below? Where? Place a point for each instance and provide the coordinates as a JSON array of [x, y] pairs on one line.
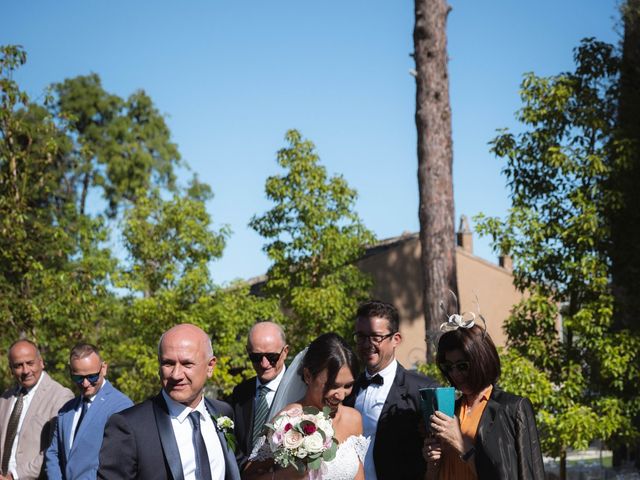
[[387, 395], [174, 435], [74, 450], [27, 412], [267, 349]]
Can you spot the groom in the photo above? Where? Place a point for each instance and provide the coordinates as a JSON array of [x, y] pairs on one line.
[[172, 436], [387, 395]]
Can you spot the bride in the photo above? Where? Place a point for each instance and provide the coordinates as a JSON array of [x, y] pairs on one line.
[[328, 369]]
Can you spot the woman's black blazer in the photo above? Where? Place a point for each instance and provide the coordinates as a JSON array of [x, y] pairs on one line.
[[507, 444]]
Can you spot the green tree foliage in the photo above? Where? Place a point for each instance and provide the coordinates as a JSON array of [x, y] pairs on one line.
[[314, 238], [121, 146], [52, 270], [558, 234], [59, 283], [170, 243]]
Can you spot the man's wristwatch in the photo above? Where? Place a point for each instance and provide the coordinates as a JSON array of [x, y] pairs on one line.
[[468, 454]]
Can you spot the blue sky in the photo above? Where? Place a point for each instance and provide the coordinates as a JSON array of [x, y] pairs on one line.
[[232, 77]]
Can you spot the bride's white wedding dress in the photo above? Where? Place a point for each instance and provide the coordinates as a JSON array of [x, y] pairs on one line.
[[344, 466], [350, 453]]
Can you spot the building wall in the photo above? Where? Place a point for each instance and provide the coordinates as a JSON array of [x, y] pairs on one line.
[[395, 268]]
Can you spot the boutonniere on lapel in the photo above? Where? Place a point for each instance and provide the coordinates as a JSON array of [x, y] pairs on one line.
[[225, 425]]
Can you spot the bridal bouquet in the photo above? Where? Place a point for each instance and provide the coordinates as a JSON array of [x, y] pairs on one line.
[[302, 438]]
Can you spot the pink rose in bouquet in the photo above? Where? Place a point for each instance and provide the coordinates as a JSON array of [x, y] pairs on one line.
[[302, 438]]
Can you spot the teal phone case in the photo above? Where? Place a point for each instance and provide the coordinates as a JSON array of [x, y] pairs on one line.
[[442, 399]]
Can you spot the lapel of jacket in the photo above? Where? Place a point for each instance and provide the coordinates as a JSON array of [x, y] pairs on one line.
[[230, 464], [66, 426], [247, 415], [90, 417], [489, 415], [40, 396], [6, 406], [397, 393], [167, 438]]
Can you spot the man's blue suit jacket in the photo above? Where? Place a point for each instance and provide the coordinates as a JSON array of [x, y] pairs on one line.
[[81, 460]]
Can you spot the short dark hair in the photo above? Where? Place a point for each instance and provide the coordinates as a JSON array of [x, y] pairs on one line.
[[478, 349], [82, 350], [329, 351], [376, 308]]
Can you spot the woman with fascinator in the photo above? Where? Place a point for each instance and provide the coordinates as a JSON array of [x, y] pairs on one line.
[[493, 434], [320, 376]]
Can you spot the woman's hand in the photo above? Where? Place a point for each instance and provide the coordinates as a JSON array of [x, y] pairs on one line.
[[447, 431], [432, 453]]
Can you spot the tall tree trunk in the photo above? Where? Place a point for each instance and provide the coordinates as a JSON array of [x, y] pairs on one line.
[[625, 230], [626, 220], [435, 158]]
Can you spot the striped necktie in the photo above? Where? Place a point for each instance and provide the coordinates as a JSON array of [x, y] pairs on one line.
[[12, 429], [260, 413]]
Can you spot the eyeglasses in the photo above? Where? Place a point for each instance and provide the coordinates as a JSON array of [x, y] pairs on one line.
[[92, 378], [462, 366], [272, 358], [374, 339]]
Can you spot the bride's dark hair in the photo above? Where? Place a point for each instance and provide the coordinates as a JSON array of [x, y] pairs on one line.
[[332, 352]]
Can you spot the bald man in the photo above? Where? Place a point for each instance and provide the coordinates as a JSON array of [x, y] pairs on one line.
[[172, 436], [251, 400], [27, 413]]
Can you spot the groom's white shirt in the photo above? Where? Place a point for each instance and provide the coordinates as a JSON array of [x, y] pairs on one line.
[[182, 430], [369, 403]]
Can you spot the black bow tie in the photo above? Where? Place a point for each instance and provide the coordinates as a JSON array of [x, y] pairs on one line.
[[375, 380]]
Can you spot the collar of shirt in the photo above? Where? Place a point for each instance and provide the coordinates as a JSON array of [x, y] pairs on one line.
[[30, 391], [90, 399], [486, 393], [273, 384], [180, 412], [388, 373]]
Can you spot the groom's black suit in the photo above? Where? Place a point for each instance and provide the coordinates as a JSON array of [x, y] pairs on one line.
[[139, 443], [397, 452]]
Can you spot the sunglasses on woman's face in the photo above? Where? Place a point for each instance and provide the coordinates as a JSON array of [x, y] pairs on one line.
[[272, 357], [462, 366]]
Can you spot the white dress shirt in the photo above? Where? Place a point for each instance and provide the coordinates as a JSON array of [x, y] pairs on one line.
[[369, 403], [78, 412], [26, 401], [272, 386], [182, 430]]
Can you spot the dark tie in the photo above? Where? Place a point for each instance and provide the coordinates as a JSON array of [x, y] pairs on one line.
[[260, 413], [12, 428], [203, 469], [375, 380], [83, 412]]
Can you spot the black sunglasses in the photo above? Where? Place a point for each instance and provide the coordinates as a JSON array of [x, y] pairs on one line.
[[271, 357], [462, 366], [92, 378]]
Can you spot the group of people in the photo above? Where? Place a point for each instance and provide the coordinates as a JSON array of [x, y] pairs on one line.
[[46, 432]]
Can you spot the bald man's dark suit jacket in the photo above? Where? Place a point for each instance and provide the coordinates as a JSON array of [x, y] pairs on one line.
[[242, 401], [397, 452], [139, 443]]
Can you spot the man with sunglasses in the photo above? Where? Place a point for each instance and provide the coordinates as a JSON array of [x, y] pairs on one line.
[[387, 395], [74, 450], [251, 400], [27, 412]]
